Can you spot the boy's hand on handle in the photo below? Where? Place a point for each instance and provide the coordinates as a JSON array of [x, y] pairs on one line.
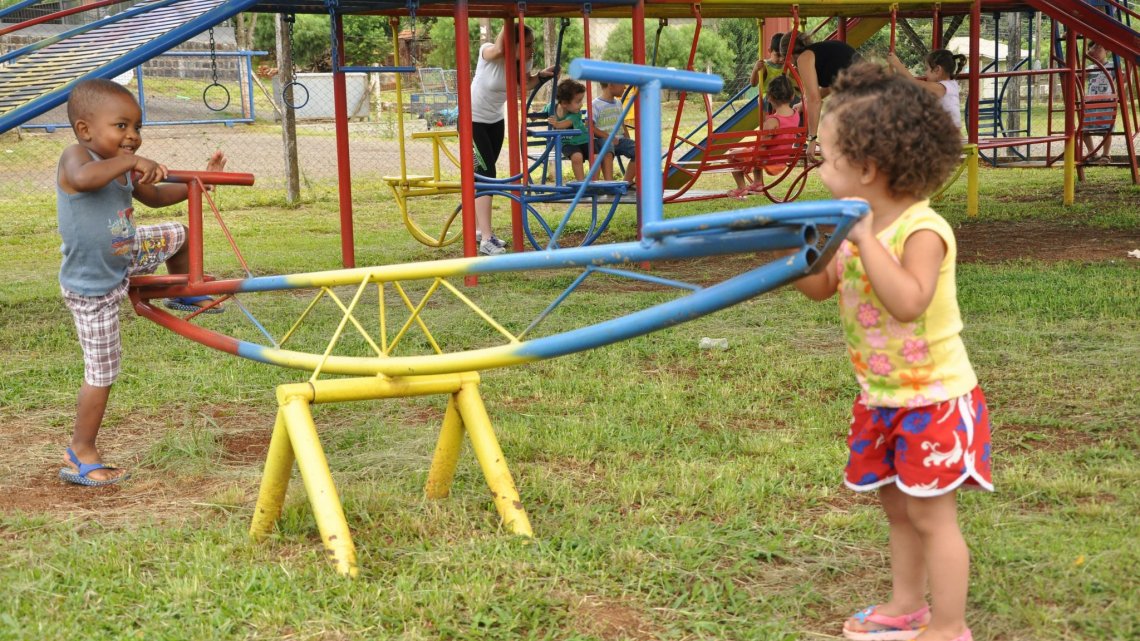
[[216, 162], [148, 172]]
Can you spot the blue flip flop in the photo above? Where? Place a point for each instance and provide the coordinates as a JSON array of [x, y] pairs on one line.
[[81, 478], [189, 304]]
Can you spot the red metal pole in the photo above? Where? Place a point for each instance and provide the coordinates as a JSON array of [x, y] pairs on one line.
[[466, 139], [344, 168], [194, 233], [654, 164], [975, 69], [841, 29], [936, 29], [516, 127]]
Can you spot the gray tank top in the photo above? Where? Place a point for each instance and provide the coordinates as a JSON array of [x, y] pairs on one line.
[[98, 229]]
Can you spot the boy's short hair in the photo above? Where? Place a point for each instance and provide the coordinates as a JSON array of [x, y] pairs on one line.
[[569, 88], [86, 96], [886, 119], [774, 43]]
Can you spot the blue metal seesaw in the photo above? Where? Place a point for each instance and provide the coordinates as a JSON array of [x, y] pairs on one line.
[[380, 365]]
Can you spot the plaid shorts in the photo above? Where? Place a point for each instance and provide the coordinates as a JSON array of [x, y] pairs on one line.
[[925, 451], [97, 317]]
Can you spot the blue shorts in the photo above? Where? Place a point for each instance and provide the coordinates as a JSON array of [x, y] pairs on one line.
[[623, 147]]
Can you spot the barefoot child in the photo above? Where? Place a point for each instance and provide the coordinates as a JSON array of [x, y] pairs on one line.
[[568, 115], [607, 117], [920, 428], [781, 93], [96, 180]]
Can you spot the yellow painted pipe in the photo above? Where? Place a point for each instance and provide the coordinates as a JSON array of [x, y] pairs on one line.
[[274, 481], [366, 388], [446, 455], [490, 456], [319, 485]]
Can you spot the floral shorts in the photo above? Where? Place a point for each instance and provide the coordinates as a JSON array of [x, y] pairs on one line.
[[97, 317], [926, 451]]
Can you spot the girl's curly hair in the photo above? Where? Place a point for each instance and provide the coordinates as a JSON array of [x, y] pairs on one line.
[[781, 91], [568, 89], [888, 120]]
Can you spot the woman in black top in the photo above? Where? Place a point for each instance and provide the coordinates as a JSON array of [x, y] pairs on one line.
[[818, 65]]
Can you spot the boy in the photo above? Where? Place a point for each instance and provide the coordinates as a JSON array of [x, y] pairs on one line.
[[766, 69], [1099, 84], [607, 115], [96, 180], [568, 115]]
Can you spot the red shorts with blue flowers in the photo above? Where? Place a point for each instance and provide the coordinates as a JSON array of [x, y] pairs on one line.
[[926, 451]]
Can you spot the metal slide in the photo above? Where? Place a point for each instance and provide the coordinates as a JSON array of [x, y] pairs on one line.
[[38, 77], [1090, 20]]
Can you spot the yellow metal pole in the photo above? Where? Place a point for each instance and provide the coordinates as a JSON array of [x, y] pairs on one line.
[[972, 180], [490, 456], [274, 481], [318, 480], [446, 455], [1070, 171], [394, 23]]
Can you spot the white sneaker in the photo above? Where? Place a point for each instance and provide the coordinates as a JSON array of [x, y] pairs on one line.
[[489, 248], [499, 242]]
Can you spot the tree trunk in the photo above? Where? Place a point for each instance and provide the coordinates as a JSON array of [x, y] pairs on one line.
[[549, 41], [485, 35], [244, 32], [288, 117], [1012, 105]]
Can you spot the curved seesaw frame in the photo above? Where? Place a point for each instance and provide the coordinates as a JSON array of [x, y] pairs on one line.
[[795, 227]]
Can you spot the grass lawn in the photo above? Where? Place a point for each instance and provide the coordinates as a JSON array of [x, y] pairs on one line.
[[675, 493]]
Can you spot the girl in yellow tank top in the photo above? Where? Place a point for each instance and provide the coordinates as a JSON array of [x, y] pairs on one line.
[[920, 427]]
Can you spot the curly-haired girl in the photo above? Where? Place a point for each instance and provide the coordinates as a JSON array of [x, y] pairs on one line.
[[920, 427]]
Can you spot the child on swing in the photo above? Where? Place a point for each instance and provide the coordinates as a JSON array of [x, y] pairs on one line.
[[568, 115], [920, 428], [781, 93]]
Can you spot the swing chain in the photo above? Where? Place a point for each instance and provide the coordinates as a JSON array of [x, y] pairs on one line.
[[290, 19], [213, 58]]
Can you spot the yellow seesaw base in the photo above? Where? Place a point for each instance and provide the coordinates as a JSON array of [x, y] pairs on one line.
[[295, 438]]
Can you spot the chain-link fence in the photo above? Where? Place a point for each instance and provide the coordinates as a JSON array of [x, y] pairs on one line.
[[179, 88]]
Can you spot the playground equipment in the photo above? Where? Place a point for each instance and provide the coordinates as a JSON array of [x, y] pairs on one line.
[[38, 77], [520, 187], [380, 372]]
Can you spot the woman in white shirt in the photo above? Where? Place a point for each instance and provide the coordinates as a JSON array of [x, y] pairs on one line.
[[488, 95], [941, 67]]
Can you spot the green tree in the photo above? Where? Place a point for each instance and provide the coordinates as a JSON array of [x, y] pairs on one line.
[[367, 41], [443, 43], [743, 37], [713, 53]]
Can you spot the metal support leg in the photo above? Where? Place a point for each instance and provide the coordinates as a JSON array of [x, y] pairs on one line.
[[274, 481], [319, 485], [490, 456], [446, 455]]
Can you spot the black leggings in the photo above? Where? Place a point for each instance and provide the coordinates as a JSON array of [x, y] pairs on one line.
[[488, 143]]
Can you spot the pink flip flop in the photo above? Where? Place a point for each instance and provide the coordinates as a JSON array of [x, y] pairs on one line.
[[900, 628]]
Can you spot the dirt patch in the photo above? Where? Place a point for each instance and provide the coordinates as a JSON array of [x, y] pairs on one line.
[[997, 241], [1052, 440], [611, 619], [30, 482]]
